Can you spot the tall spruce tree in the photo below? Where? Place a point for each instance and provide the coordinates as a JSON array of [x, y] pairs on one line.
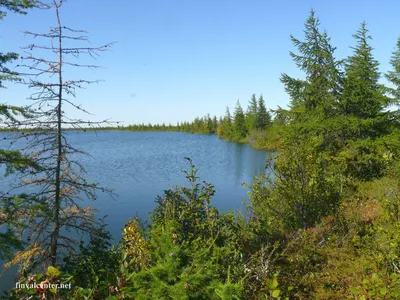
[[366, 126], [307, 185], [225, 126], [263, 118], [228, 116], [314, 99], [393, 76], [214, 125], [363, 96], [209, 124], [239, 123], [321, 88], [251, 113]]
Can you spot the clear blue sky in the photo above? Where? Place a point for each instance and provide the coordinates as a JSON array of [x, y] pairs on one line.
[[178, 59]]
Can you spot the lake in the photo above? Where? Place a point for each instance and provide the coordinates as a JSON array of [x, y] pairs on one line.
[[138, 166]]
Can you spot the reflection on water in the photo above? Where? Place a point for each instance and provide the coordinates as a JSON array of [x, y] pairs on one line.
[[138, 166]]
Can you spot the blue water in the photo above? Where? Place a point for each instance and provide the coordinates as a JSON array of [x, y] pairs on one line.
[[138, 166]]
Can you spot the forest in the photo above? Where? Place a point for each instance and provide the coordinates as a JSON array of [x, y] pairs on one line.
[[324, 225]]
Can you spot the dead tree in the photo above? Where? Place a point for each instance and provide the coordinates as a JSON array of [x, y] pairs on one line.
[[60, 185]]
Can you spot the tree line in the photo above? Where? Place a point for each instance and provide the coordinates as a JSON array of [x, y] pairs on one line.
[[236, 128]]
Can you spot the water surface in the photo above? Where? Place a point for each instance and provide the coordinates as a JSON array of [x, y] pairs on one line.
[[138, 166]]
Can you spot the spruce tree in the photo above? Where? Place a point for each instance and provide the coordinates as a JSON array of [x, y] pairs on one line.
[[225, 126], [214, 124], [228, 116], [366, 125], [306, 185], [314, 99], [321, 88], [251, 113], [209, 124], [239, 123], [263, 118], [363, 96], [393, 76]]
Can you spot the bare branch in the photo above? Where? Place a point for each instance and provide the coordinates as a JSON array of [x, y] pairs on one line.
[[60, 186]]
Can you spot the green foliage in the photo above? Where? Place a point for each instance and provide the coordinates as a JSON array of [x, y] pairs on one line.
[[6, 73], [362, 94], [9, 242], [376, 287], [92, 274], [96, 267], [270, 139], [204, 125], [366, 127], [135, 246], [393, 76], [309, 183], [326, 239], [193, 253], [239, 124], [15, 161], [10, 113], [272, 288], [18, 6], [322, 86], [225, 129], [188, 206], [263, 119], [251, 113]]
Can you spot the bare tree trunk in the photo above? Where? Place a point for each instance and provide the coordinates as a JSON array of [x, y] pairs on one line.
[[57, 203], [60, 182]]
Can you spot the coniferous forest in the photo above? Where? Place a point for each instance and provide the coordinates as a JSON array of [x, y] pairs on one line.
[[324, 225]]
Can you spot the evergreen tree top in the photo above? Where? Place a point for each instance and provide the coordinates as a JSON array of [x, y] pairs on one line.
[[322, 85], [363, 95], [393, 76], [362, 59]]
